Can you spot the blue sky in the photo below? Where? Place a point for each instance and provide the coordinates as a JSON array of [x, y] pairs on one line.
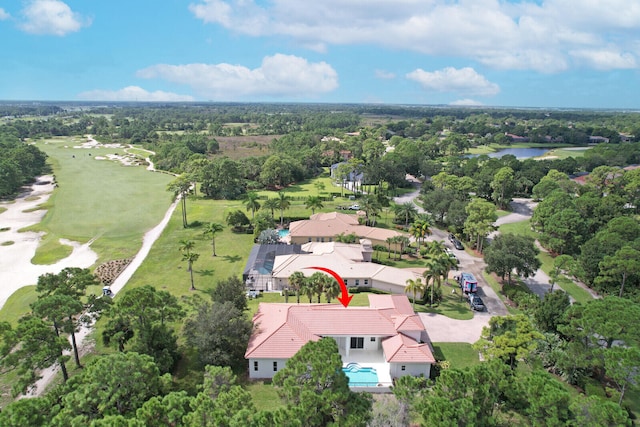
[[553, 53]]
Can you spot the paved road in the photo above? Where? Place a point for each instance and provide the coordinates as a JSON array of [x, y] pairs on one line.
[[444, 329]]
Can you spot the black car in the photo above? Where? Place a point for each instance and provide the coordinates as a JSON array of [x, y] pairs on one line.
[[458, 244], [452, 237], [475, 302]]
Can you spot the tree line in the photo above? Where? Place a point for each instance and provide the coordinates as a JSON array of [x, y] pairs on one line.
[[20, 163]]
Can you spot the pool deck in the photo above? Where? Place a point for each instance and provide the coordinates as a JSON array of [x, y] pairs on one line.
[[374, 360]]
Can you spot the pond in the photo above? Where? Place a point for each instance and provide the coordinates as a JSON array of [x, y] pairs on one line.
[[520, 153]]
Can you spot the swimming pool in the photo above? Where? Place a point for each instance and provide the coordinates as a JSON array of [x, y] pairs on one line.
[[360, 376], [283, 233]]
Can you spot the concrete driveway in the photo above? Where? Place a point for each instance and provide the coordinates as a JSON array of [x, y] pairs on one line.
[[444, 329]]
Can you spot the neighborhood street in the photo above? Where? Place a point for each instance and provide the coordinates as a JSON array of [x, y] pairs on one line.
[[444, 329]]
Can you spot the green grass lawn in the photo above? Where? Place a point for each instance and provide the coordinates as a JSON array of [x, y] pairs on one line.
[[460, 355], [264, 395], [99, 199], [18, 304], [451, 306], [522, 228], [164, 267]]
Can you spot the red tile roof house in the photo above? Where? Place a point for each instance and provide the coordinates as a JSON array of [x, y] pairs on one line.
[[352, 262], [324, 227], [386, 336]]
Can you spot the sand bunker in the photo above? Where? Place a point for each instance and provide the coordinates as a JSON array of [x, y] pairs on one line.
[[16, 269]]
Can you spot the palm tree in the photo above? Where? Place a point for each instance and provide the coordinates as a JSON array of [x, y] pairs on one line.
[[414, 286], [371, 206], [251, 203], [296, 282], [436, 247], [392, 241], [316, 283], [308, 288], [406, 210], [313, 203], [331, 289], [438, 266], [210, 230], [283, 204], [271, 204], [180, 187], [190, 257], [415, 230], [403, 241], [429, 275]]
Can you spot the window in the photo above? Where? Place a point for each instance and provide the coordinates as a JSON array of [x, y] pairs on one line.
[[255, 365], [357, 282], [357, 342], [346, 282], [403, 368], [275, 366], [373, 339], [366, 282]]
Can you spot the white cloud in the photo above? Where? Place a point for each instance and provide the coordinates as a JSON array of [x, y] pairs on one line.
[[133, 93], [464, 81], [527, 34], [4, 14], [51, 17], [467, 102], [385, 75], [278, 76], [604, 59]]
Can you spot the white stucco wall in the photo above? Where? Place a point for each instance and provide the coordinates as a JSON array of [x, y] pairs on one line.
[[414, 369], [265, 368]]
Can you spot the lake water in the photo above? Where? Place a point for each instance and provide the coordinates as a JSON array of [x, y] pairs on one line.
[[520, 153]]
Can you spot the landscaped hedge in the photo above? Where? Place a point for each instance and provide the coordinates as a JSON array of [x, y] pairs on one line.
[[359, 289]]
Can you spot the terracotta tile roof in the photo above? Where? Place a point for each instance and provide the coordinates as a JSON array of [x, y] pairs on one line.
[[348, 251], [400, 348], [331, 224], [282, 329]]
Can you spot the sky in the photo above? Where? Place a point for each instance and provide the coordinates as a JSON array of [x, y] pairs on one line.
[[520, 53]]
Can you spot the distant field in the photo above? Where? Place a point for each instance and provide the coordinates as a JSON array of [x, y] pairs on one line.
[[239, 147]]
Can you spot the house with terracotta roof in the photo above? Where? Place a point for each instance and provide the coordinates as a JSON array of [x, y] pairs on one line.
[[324, 227], [386, 338], [350, 261]]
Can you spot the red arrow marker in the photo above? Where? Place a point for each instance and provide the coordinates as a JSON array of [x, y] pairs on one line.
[[345, 298]]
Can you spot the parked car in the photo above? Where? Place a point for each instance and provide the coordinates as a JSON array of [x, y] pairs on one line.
[[458, 244], [451, 255], [355, 207], [452, 237], [252, 293], [475, 302]]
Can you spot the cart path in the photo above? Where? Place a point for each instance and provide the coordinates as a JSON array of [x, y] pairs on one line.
[[47, 375]]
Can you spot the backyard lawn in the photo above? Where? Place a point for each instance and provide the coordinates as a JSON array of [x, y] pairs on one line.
[[459, 355]]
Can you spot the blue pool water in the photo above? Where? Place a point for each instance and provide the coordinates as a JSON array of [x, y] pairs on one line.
[[361, 376], [283, 233]]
